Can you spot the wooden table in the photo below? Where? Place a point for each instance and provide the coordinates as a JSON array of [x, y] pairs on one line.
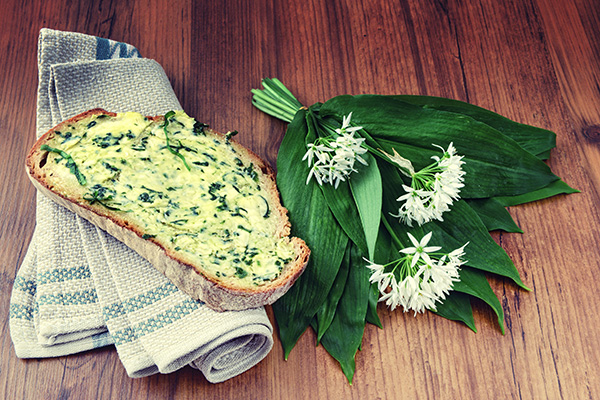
[[534, 61]]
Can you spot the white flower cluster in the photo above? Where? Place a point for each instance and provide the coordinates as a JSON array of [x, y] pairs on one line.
[[433, 189], [423, 279], [332, 161]]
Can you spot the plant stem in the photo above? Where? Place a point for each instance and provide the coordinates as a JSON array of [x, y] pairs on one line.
[[391, 231], [276, 100]]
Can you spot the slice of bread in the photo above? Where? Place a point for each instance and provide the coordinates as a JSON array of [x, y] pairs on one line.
[[200, 207]]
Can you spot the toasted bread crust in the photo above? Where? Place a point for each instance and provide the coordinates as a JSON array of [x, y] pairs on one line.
[[217, 293]]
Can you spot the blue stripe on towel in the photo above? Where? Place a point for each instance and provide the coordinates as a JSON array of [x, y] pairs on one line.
[[107, 49], [25, 285], [64, 274], [21, 311], [159, 321], [138, 302], [101, 340], [67, 299]]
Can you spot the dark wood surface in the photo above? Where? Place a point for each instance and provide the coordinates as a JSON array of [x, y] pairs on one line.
[[535, 61]]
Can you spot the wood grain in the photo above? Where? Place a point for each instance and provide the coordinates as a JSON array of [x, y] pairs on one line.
[[535, 61]]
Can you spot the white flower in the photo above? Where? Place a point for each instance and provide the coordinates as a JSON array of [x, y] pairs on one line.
[[414, 207], [433, 189], [420, 278], [420, 250], [331, 159], [346, 126], [319, 150]]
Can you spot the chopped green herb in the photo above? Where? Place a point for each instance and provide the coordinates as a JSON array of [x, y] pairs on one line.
[[268, 212], [237, 212], [249, 170], [199, 128], [210, 157], [70, 163], [240, 272], [107, 140], [100, 194], [110, 167], [230, 134], [212, 189], [146, 197], [242, 227], [141, 146], [171, 149]]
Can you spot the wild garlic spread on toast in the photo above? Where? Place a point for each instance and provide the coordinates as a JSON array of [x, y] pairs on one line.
[[199, 206]]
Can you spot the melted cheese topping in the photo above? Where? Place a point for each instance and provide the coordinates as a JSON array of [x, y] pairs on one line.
[[188, 190]]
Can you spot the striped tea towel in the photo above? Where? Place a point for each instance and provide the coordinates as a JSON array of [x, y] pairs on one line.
[[79, 288]]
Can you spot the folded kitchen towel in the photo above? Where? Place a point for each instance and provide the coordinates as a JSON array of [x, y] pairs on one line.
[[79, 288]]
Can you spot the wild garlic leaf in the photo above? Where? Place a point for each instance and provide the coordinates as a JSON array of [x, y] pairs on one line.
[[475, 283], [344, 336], [327, 311], [494, 215], [366, 188], [457, 307], [495, 165], [536, 141], [555, 188], [311, 220]]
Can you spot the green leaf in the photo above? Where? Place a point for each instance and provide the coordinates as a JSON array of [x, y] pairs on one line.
[[384, 252], [312, 221], [494, 215], [327, 311], [344, 336], [536, 141], [475, 283], [462, 225], [339, 200], [372, 316], [367, 190], [457, 307], [553, 189], [344, 209], [495, 165]]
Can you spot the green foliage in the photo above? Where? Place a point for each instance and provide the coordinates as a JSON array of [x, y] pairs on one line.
[[345, 226]]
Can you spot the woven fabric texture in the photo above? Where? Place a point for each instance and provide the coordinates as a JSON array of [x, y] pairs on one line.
[[79, 288]]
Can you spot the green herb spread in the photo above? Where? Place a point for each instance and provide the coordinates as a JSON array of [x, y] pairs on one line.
[[187, 190]]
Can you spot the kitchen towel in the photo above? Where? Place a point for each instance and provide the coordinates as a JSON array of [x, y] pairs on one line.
[[79, 288]]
